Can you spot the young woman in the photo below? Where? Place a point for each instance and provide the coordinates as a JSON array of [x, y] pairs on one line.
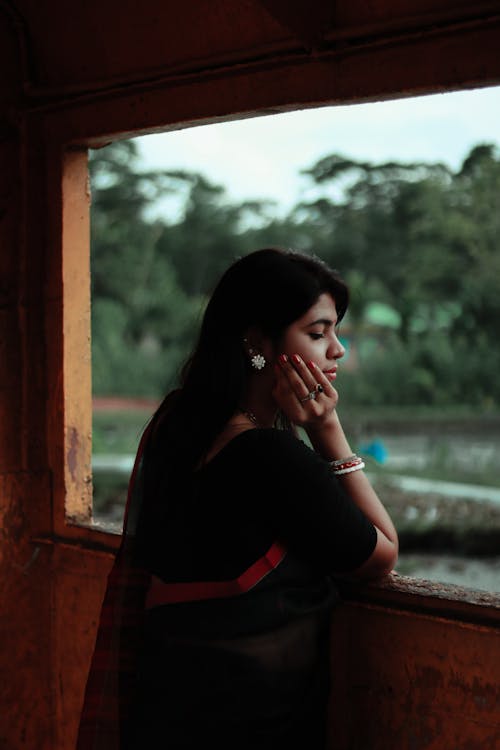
[[236, 528]]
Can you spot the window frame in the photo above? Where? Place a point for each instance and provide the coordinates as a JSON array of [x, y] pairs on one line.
[[90, 121]]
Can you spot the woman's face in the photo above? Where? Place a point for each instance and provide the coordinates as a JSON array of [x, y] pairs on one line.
[[313, 337]]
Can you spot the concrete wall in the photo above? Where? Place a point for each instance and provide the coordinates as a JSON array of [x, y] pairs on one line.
[[413, 667]]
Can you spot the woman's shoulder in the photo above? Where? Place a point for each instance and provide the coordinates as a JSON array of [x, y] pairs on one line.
[[264, 452], [269, 443]]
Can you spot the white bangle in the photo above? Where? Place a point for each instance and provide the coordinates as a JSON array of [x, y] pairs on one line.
[[359, 466], [340, 461]]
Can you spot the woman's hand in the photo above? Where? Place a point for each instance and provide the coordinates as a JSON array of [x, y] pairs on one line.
[[295, 381], [303, 392]]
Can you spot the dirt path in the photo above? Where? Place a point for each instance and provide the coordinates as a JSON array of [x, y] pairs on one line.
[[119, 403]]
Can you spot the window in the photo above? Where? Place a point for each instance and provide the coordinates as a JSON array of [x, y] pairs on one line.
[[403, 214]]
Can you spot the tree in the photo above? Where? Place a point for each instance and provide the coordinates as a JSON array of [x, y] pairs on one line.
[[142, 320], [418, 238], [209, 235], [150, 278], [422, 239]]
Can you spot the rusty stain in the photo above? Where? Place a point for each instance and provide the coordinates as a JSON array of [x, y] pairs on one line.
[[72, 454]]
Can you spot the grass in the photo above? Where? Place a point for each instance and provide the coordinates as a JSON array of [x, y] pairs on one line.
[[114, 432], [118, 432]]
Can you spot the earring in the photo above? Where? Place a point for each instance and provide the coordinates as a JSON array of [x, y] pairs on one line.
[[258, 361]]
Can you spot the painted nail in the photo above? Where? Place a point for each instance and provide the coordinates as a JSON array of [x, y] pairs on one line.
[[296, 359], [312, 364], [283, 359]]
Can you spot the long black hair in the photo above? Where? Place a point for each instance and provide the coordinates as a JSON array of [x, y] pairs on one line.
[[268, 289]]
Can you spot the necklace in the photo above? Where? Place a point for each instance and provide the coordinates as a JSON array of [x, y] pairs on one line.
[[251, 416]]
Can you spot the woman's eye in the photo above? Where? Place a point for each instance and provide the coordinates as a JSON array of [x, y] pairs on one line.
[[316, 336]]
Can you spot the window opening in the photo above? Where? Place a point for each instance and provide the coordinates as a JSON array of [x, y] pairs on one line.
[[402, 198]]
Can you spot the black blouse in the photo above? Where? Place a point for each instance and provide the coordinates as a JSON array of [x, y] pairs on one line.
[[264, 485]]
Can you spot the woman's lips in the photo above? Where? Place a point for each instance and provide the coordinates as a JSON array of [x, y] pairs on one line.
[[332, 374]]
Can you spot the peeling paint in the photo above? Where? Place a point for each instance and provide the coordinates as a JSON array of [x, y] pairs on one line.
[[72, 453]]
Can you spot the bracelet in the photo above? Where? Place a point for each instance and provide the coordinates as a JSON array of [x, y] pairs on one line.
[[347, 464], [339, 461], [355, 467]]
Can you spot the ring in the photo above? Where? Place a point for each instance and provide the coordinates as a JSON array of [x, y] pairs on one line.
[[310, 395], [318, 388]]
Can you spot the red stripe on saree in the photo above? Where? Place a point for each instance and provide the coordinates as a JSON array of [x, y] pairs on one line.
[[169, 593]]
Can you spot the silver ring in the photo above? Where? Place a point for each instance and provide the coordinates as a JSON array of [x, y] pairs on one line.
[[318, 388], [310, 395]]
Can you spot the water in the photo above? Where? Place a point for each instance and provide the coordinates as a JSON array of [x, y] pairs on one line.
[[448, 489]]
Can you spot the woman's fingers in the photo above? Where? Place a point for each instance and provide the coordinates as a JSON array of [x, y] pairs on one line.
[[320, 378], [305, 378], [285, 390], [298, 375], [303, 391]]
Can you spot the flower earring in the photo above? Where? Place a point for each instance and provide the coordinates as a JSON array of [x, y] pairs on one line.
[[258, 360]]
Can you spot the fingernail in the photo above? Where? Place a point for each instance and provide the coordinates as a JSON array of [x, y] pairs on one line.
[[312, 364], [283, 358], [296, 359]]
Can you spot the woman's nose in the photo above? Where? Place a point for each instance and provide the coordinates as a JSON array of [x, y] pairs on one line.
[[336, 350]]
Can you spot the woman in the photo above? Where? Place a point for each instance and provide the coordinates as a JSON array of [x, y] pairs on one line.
[[235, 527]]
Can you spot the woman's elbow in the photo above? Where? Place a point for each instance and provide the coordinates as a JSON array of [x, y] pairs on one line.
[[382, 561]]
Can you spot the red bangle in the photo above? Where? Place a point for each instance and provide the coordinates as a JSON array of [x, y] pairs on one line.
[[346, 463]]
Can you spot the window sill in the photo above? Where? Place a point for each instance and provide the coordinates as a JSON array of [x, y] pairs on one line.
[[425, 597]]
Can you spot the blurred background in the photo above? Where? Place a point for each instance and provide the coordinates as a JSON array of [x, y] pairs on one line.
[[403, 199]]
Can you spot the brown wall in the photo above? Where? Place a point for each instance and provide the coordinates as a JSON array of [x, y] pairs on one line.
[[413, 667]]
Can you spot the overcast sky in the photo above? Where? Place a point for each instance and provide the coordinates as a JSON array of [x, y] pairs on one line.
[[262, 157]]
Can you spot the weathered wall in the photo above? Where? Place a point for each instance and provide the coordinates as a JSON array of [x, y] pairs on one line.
[[408, 673], [412, 670], [24, 483]]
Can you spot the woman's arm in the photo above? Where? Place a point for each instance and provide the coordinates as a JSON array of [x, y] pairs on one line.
[[320, 420], [329, 440]]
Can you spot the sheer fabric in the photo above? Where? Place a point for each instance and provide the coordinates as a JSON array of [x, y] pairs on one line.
[[112, 681], [146, 680]]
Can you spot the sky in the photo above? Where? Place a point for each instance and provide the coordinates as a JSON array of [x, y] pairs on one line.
[[262, 157]]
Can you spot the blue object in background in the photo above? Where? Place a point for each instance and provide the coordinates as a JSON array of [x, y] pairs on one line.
[[376, 449], [346, 343]]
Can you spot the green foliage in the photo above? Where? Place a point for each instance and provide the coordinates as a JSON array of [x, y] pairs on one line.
[[143, 322], [118, 431], [419, 239]]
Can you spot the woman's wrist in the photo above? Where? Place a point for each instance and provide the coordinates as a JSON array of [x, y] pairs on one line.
[[325, 424], [328, 438]]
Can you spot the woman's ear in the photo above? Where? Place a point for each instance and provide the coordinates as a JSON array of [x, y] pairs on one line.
[[258, 348]]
